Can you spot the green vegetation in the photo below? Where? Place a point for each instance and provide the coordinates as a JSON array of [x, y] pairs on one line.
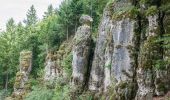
[[151, 11], [41, 36], [67, 64], [40, 93], [126, 12], [52, 34]]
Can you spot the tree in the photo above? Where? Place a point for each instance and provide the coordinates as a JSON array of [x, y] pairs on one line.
[[39, 37], [49, 12], [8, 55], [31, 17], [65, 17]]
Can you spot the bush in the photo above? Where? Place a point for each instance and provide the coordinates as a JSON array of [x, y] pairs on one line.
[[61, 92], [40, 93], [4, 94]]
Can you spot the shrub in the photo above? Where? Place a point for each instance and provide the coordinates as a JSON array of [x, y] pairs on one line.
[[40, 93]]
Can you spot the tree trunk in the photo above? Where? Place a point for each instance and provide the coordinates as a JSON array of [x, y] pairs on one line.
[[67, 32], [6, 82]]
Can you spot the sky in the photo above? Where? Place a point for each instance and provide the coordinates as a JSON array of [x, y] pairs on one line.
[[17, 9]]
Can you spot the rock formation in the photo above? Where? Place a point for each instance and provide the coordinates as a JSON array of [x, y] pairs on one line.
[[127, 57], [81, 51], [113, 61], [55, 63], [22, 85], [129, 62], [97, 70], [52, 67]]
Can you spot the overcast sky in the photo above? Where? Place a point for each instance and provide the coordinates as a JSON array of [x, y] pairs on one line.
[[17, 9]]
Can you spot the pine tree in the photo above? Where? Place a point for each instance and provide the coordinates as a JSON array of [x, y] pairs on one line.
[[8, 53], [50, 11], [31, 16]]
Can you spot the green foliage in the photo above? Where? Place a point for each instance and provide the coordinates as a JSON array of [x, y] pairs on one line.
[[42, 36], [3, 94], [126, 12], [86, 96], [50, 11], [47, 34], [67, 64], [61, 92], [151, 11], [143, 1], [40, 93], [31, 16], [8, 55], [165, 8], [160, 64], [150, 2], [165, 40]]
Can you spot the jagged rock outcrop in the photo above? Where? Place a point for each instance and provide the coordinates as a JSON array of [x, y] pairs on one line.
[[22, 85], [56, 64], [98, 69], [81, 51], [113, 61], [52, 68], [129, 61], [128, 53], [152, 72], [148, 55]]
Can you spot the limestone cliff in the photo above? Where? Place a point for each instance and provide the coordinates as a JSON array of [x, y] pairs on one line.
[[129, 60], [128, 57]]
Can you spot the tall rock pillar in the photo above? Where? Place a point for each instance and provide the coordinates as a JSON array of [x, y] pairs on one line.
[[101, 65], [81, 51], [21, 86]]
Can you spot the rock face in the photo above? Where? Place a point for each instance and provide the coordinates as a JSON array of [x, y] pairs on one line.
[[22, 86], [57, 64], [98, 70], [81, 51], [52, 70], [129, 60], [113, 59], [123, 62], [148, 54], [127, 56]]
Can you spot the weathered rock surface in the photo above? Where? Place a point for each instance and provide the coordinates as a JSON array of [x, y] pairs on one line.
[[52, 68], [129, 60], [145, 77], [81, 51], [98, 66], [22, 86], [127, 55], [123, 62], [113, 61]]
